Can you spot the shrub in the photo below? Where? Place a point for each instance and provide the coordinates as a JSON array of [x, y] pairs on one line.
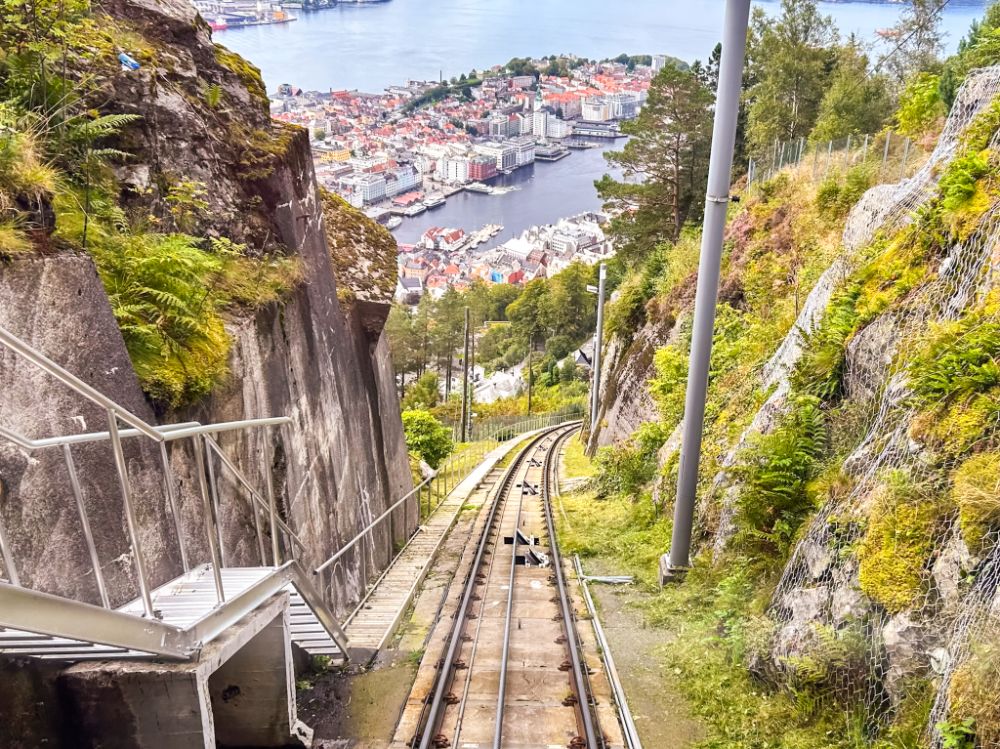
[[958, 183], [973, 692], [627, 468], [668, 385], [775, 472], [920, 106], [976, 493], [167, 312], [425, 393], [898, 542], [427, 437]]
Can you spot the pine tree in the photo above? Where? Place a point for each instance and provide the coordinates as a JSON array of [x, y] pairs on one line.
[[665, 164]]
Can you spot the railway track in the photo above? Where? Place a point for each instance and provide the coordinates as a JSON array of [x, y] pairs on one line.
[[513, 675]]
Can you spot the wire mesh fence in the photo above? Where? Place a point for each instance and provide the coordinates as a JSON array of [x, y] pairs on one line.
[[893, 154]]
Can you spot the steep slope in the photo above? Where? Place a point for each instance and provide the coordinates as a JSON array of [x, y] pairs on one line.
[[204, 157], [853, 438]]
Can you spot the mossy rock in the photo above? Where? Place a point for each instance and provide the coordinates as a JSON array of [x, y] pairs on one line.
[[363, 252], [896, 551], [976, 492]]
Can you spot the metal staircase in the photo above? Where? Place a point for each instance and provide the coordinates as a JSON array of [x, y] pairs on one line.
[[175, 620]]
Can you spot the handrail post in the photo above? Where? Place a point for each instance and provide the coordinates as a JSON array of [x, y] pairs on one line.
[[88, 536], [206, 503], [6, 555], [214, 489], [271, 503], [168, 480], [130, 521]]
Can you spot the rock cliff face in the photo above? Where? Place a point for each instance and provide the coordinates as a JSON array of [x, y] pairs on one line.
[[313, 357]]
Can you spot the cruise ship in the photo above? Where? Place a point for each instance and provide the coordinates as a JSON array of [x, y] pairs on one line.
[[434, 200]]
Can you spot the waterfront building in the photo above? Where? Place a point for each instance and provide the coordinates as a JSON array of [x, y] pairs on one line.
[[482, 168], [525, 150], [595, 109], [504, 154]]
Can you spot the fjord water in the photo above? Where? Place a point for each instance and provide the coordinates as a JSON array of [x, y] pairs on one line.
[[369, 46]]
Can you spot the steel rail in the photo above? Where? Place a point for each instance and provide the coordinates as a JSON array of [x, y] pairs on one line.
[[445, 673], [569, 621], [509, 613]]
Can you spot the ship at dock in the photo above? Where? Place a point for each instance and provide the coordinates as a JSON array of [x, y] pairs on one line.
[[234, 14]]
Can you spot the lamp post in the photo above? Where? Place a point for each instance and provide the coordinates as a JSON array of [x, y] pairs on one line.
[[675, 564]]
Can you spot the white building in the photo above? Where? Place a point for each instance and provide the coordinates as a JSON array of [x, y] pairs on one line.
[[372, 187], [504, 153], [595, 109], [558, 128], [525, 150]]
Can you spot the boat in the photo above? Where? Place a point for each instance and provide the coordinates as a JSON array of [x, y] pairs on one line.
[[394, 223], [415, 210], [434, 200]]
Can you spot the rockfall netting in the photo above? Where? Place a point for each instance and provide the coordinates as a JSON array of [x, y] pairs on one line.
[[885, 603], [883, 208]]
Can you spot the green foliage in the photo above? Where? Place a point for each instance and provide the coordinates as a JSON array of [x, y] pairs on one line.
[[792, 57], [170, 322], [958, 735], [955, 378], [834, 660], [626, 468], [669, 384], [920, 106], [974, 707], [427, 437], [186, 201], [423, 394], [835, 197], [898, 543], [857, 100], [958, 183], [774, 474], [665, 165], [820, 370], [976, 493]]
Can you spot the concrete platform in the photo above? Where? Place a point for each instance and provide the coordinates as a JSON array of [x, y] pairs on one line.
[[240, 691]]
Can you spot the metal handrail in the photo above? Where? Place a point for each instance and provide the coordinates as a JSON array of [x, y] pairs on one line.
[[442, 471], [254, 494], [73, 382], [75, 439]]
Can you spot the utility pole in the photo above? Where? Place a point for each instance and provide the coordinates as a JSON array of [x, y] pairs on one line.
[[675, 564], [530, 344], [472, 365], [595, 380], [465, 380]]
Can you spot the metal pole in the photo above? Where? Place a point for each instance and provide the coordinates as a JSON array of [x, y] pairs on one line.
[[595, 397], [906, 156], [465, 380], [529, 375], [213, 486], [847, 152], [864, 150], [829, 156], [130, 521], [675, 564], [206, 504], [885, 152], [168, 481], [472, 387], [272, 506], [88, 536]]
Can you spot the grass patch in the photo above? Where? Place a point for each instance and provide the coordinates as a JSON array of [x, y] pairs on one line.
[[575, 461]]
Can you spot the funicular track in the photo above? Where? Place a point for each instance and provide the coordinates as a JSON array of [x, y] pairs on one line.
[[513, 675]]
